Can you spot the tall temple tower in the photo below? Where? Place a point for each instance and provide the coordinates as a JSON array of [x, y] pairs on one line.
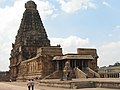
[[31, 36]]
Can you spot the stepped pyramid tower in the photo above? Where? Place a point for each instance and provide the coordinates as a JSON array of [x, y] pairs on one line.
[[31, 33]]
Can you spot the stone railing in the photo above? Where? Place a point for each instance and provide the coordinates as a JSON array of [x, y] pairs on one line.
[[79, 73], [54, 75], [95, 74]]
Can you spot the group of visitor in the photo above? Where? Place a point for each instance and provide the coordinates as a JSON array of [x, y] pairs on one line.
[[30, 84]]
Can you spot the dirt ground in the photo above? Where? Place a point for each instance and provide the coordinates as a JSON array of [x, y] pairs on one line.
[[23, 86]]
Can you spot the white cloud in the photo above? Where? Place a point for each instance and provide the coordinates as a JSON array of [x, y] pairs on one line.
[[71, 43], [45, 8], [54, 15], [110, 35], [106, 4], [10, 18], [75, 5], [109, 53], [117, 27], [2, 1]]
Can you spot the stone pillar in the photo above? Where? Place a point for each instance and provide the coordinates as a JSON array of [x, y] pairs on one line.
[[106, 76], [57, 65], [75, 63], [82, 63], [62, 72], [119, 75]]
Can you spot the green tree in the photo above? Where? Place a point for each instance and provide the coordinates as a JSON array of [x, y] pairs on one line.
[[117, 64]]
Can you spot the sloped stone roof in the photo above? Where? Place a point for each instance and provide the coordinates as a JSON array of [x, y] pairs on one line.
[[73, 57]]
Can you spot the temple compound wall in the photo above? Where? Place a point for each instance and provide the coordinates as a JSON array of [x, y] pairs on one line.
[[109, 72], [4, 76]]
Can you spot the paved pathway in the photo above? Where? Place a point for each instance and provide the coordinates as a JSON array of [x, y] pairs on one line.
[[23, 86]]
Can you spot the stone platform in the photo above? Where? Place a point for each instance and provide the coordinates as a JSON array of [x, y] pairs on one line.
[[83, 83]]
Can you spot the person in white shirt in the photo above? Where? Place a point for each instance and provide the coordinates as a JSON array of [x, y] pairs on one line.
[[29, 84]]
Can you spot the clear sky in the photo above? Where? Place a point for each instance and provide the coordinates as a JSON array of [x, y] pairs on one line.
[[71, 23]]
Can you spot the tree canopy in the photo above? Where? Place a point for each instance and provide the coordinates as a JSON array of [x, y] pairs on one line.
[[116, 64]]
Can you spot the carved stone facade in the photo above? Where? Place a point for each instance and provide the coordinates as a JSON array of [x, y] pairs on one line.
[[32, 56], [39, 66]]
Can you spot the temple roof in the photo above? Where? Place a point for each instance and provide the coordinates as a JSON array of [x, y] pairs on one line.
[[73, 57]]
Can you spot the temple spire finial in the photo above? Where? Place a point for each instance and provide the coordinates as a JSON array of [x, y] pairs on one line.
[[30, 5]]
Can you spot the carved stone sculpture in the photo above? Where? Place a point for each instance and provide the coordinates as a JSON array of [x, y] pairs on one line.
[[67, 71]]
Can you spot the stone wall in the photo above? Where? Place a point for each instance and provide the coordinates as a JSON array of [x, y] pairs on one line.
[[37, 67], [52, 51], [4, 76], [114, 85], [80, 84]]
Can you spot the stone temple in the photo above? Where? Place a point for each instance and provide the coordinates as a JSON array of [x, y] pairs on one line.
[[32, 56]]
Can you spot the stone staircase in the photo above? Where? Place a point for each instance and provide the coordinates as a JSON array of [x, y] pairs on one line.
[[85, 73], [76, 73], [55, 75], [91, 73]]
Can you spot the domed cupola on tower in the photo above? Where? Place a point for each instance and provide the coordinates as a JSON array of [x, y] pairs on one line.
[[30, 5]]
